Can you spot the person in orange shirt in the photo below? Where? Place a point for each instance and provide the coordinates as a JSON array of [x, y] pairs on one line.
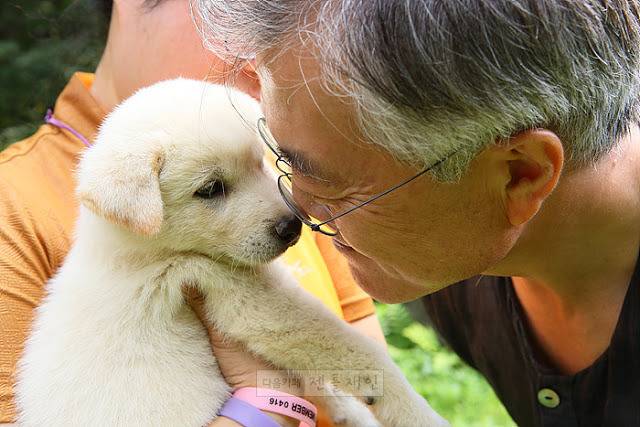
[[148, 41]]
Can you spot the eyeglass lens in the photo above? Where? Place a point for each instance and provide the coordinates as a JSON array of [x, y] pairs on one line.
[[284, 185]]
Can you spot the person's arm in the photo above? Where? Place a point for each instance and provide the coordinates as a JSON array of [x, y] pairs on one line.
[[280, 419], [224, 422]]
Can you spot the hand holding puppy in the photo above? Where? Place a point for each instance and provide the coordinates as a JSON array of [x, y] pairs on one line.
[[239, 367]]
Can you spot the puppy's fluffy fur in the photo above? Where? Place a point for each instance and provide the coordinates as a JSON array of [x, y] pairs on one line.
[[174, 192]]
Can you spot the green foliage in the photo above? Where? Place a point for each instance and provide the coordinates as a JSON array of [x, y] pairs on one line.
[[454, 390], [41, 44]]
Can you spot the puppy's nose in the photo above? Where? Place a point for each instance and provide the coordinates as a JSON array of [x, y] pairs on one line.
[[288, 229]]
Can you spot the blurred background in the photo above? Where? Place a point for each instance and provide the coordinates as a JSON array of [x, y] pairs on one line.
[[456, 391], [43, 42]]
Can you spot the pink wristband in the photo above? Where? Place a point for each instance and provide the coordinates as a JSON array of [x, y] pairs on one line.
[[280, 403]]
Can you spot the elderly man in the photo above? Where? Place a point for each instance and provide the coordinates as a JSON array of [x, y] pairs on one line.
[[482, 155]]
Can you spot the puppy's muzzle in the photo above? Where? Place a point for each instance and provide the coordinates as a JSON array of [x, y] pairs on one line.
[[287, 230]]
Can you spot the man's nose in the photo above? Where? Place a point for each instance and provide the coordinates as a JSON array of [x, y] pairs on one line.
[[288, 229]]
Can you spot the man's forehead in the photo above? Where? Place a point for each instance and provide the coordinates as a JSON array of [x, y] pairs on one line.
[[311, 126], [293, 65]]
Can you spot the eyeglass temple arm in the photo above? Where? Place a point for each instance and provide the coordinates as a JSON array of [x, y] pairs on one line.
[[316, 226], [265, 137], [376, 197], [384, 193]]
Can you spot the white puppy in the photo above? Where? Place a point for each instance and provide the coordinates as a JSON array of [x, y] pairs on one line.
[[174, 192]]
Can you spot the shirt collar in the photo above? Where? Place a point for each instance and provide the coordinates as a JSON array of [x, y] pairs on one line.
[[76, 107]]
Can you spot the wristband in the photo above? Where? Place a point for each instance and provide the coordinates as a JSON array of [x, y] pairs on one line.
[[280, 403], [246, 414]]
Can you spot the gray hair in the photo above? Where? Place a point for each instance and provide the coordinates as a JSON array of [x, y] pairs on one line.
[[431, 78]]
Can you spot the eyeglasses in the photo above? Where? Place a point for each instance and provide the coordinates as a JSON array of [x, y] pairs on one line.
[[285, 186]]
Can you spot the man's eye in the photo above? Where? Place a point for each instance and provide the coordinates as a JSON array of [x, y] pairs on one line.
[[210, 190]]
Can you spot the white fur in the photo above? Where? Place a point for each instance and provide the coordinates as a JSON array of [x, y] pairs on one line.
[[114, 342]]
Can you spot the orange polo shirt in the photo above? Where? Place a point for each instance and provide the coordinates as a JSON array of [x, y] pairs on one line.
[[37, 214]]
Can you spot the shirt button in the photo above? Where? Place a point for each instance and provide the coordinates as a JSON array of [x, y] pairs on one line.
[[548, 398]]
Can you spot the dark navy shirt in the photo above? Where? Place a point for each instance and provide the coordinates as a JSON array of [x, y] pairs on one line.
[[483, 321]]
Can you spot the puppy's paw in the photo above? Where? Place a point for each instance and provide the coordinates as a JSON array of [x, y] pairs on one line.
[[347, 411], [409, 412], [433, 420]]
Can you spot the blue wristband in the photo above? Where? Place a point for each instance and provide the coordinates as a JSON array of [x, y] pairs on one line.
[[246, 414]]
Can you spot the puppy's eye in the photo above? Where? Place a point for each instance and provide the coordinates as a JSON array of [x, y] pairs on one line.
[[210, 190]]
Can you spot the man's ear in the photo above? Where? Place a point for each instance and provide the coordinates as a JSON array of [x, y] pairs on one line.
[[533, 161], [121, 184]]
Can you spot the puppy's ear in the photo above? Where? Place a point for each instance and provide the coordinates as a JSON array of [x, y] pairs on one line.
[[120, 182]]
